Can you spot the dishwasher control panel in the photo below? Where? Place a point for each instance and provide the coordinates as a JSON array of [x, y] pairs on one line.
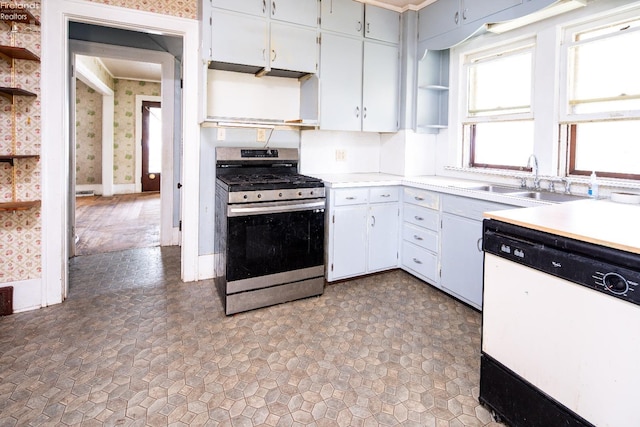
[[588, 265]]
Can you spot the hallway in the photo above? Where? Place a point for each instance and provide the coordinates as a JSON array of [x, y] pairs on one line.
[[117, 223]]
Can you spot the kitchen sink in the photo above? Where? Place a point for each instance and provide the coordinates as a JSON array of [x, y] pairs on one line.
[[541, 195], [546, 196], [495, 189]]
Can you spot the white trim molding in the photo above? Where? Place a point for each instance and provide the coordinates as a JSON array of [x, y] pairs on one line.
[[56, 79]]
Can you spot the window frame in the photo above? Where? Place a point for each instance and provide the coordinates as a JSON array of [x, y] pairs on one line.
[[569, 121], [469, 122]]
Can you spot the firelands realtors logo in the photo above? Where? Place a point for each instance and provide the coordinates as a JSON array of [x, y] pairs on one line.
[[17, 12]]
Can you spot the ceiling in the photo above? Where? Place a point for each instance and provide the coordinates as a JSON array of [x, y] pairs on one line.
[[132, 70], [400, 5]]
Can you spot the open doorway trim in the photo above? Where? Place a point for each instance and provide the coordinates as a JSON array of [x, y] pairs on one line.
[[55, 130]]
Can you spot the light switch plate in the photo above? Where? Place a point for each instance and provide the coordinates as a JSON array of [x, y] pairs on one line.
[[222, 134]]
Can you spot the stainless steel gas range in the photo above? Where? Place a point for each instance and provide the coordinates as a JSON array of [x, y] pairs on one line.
[[269, 228]]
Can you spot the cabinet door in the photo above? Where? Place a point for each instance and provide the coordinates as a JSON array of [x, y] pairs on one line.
[[384, 223], [461, 257], [294, 48], [472, 10], [303, 12], [340, 82], [438, 18], [344, 16], [349, 242], [382, 24], [253, 7], [238, 39], [380, 88]]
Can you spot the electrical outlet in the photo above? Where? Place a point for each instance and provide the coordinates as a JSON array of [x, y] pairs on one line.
[[261, 135], [341, 155], [222, 134]]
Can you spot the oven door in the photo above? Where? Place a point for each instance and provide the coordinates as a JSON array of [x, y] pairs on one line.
[[283, 241]]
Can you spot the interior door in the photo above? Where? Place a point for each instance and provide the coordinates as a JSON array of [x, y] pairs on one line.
[[151, 145]]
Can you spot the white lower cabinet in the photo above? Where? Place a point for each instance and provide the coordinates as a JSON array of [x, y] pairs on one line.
[[420, 233], [461, 248], [363, 227]]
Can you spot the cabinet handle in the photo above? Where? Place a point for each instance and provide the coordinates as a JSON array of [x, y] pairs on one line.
[[417, 261], [479, 244], [264, 6], [357, 111], [416, 237], [373, 223], [273, 8], [359, 26], [464, 14], [274, 55], [418, 198], [264, 51], [364, 113], [418, 218], [456, 18], [368, 27], [350, 198], [385, 195]]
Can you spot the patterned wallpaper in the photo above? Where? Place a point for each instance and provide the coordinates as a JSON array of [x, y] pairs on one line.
[[20, 232], [124, 124], [88, 135], [181, 8]]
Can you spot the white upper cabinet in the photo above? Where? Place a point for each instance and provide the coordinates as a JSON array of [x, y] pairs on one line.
[[380, 87], [252, 7], [340, 83], [277, 37], [438, 18], [293, 48], [382, 24], [343, 16], [303, 12], [473, 10], [359, 85], [441, 18], [249, 41]]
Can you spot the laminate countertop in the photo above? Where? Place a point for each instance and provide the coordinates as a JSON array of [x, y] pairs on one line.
[[601, 222]]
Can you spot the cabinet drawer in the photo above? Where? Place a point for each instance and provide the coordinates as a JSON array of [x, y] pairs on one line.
[[350, 196], [384, 194], [421, 217], [420, 261], [420, 197], [470, 208], [422, 237]]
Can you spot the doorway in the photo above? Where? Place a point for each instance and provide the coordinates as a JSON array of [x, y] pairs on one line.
[[151, 142], [56, 128]]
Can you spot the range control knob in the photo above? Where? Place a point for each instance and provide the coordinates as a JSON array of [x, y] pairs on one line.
[[615, 283]]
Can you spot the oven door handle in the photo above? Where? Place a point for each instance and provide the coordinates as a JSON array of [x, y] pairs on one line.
[[260, 210]]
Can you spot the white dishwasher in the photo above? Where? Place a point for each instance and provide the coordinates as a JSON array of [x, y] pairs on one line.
[[560, 330]]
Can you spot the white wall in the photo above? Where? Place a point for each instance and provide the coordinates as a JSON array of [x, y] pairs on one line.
[[320, 152]]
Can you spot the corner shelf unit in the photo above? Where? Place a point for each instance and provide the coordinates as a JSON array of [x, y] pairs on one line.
[[10, 54], [432, 101]]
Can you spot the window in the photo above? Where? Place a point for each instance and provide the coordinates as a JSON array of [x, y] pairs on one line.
[[602, 103], [498, 127]]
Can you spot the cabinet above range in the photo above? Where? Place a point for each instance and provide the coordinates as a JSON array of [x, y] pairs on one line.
[[276, 38]]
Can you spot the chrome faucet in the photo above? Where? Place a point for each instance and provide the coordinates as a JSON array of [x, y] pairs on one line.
[[536, 179]]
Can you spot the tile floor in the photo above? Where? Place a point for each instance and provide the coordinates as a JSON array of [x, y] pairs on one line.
[[132, 345]]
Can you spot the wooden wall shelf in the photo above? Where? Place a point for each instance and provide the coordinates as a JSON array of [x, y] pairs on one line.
[[10, 92], [19, 206], [10, 52], [9, 158]]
